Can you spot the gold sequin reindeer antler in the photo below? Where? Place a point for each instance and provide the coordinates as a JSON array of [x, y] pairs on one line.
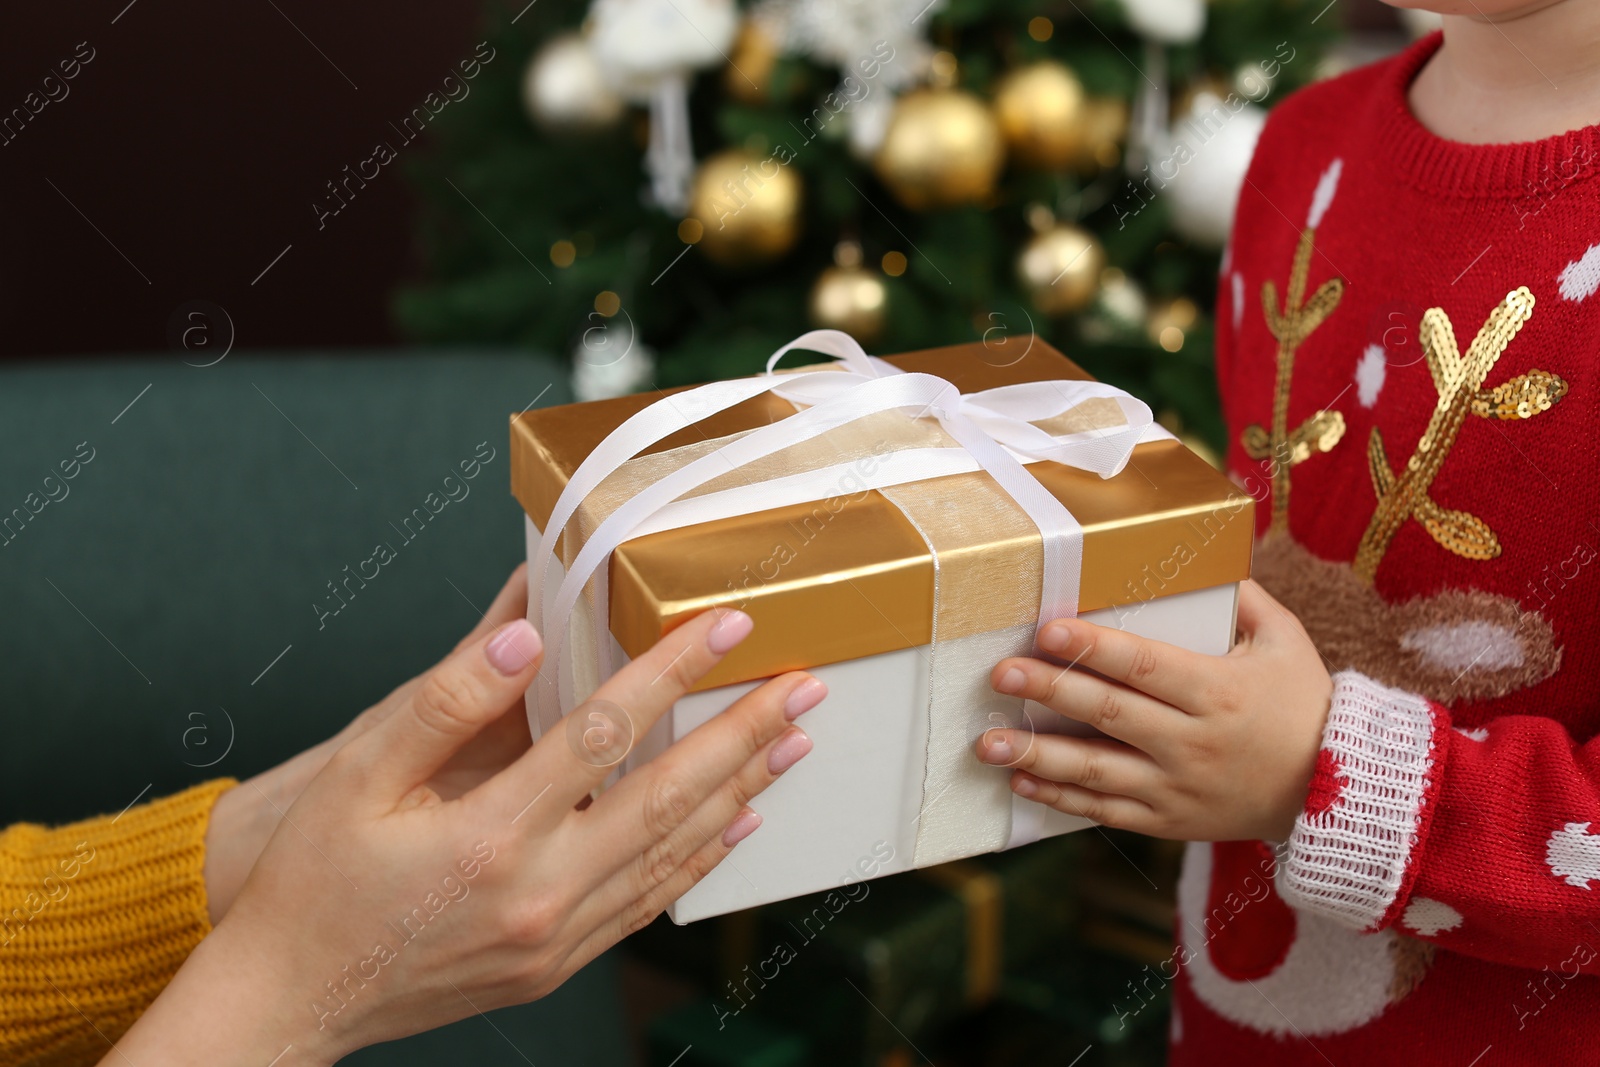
[[1459, 381], [1291, 326]]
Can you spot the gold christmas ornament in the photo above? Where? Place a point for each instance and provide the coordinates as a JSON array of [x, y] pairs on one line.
[[748, 76], [564, 88], [1105, 129], [1041, 112], [1061, 269], [747, 205], [942, 148], [849, 297]]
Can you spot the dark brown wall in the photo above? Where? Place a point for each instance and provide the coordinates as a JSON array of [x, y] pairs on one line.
[[196, 140]]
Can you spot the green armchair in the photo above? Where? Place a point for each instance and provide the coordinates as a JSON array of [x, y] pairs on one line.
[[182, 606]]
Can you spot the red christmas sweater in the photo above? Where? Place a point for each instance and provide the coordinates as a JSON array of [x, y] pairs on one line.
[[1408, 346]]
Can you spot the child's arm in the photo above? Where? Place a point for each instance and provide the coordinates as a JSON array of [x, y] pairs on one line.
[[1478, 840], [1390, 817]]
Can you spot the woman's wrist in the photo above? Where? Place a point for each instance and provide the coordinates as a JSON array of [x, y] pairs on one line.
[[244, 818], [237, 1000]]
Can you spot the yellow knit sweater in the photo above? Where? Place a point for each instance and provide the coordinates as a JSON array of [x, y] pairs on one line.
[[95, 918]]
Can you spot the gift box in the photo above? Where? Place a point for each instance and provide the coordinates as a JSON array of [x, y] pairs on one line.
[[895, 527], [914, 955]]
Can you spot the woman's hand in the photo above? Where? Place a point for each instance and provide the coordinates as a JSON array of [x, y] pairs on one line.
[[384, 905], [1198, 748], [244, 817]]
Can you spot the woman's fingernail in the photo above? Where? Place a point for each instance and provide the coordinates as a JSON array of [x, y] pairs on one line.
[[731, 628], [1025, 787], [514, 648], [996, 750], [803, 697], [743, 825], [1012, 681], [1055, 638], [787, 752]]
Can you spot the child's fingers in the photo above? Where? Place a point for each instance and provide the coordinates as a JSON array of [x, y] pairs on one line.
[[1123, 813], [1262, 616], [1166, 672], [1123, 713], [1093, 763]]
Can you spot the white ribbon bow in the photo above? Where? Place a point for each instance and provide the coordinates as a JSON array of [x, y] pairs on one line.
[[993, 429]]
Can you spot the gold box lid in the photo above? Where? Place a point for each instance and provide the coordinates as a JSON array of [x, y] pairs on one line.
[[1169, 523]]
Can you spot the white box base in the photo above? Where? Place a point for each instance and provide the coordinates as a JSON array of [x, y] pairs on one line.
[[832, 818]]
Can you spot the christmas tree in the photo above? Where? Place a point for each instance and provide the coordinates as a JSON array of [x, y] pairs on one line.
[[669, 190]]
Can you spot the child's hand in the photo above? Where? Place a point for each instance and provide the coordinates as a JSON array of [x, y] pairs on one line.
[[1199, 748]]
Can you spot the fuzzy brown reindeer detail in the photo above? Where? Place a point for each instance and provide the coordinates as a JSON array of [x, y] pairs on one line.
[[1291, 326], [1454, 646], [1458, 379]]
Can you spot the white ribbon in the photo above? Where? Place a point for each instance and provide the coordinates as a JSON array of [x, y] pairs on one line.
[[993, 430]]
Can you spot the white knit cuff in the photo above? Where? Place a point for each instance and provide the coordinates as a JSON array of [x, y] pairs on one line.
[[1351, 846]]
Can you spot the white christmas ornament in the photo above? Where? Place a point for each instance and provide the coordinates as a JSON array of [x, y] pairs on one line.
[[1205, 166], [647, 49], [609, 360], [1167, 21], [879, 47], [565, 87]]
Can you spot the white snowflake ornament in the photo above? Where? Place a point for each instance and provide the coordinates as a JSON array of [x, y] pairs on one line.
[[609, 360], [639, 42], [1166, 21], [879, 46], [648, 49]]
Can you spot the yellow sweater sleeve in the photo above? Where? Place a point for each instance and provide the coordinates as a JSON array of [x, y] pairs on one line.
[[95, 918]]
